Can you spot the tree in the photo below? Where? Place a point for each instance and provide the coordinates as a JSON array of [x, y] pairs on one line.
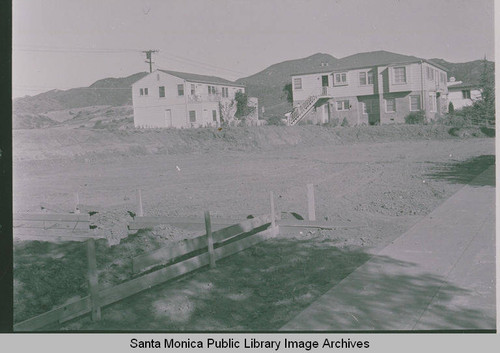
[[242, 108], [486, 106], [451, 108], [287, 89], [227, 110]]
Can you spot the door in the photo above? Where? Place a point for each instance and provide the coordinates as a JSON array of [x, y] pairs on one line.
[[168, 118], [324, 81], [324, 84]]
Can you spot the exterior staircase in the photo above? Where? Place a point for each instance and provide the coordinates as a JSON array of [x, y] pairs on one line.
[[305, 107]]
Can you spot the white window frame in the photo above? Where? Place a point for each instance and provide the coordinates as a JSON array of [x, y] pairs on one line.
[[141, 91], [419, 103], [340, 79], [193, 89], [386, 106], [214, 115], [179, 91], [297, 83], [368, 75], [343, 104], [394, 75], [146, 91], [160, 91]]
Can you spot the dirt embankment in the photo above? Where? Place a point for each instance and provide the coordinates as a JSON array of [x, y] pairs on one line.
[[91, 143]]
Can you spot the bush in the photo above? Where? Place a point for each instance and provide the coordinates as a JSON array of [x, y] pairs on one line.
[[415, 118], [345, 122]]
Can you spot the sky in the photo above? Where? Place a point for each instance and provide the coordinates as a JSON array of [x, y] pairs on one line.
[[62, 44]]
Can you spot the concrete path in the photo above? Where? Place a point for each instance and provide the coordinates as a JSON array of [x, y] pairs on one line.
[[440, 274]]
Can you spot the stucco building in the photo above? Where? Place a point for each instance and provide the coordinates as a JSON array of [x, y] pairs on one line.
[[370, 88], [166, 99]]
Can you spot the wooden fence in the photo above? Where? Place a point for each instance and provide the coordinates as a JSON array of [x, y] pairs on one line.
[[181, 259]]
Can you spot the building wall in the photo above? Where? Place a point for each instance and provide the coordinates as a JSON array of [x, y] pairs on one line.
[[153, 111], [428, 86], [456, 97]]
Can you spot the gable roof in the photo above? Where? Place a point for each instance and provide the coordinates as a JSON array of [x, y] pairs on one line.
[[371, 59], [201, 78]]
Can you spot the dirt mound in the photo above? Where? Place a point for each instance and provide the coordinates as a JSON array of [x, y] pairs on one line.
[[99, 137]]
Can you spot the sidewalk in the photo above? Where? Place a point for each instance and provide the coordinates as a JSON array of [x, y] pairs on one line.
[[440, 274]]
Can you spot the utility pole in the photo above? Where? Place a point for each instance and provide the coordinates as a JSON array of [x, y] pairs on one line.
[[148, 58]]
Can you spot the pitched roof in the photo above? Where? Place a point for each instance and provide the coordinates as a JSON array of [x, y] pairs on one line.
[[371, 59], [201, 78]]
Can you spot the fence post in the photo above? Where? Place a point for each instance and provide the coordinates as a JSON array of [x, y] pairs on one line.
[[310, 202], [210, 242], [273, 215], [77, 202], [93, 280], [140, 212]]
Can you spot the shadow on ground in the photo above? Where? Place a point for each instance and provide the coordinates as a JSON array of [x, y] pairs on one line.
[[465, 172], [264, 287]]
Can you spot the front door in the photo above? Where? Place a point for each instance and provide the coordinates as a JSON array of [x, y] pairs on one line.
[[168, 118], [324, 81]]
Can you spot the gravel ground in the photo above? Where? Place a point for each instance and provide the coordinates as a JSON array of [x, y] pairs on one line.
[[374, 190]]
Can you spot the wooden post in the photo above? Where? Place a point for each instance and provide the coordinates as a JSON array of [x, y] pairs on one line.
[[93, 280], [210, 242], [77, 202], [140, 212], [310, 202], [273, 215]]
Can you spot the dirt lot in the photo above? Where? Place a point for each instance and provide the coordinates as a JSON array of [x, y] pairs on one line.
[[373, 179]]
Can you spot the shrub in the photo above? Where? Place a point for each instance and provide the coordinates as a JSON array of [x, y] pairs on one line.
[[415, 118], [345, 122]]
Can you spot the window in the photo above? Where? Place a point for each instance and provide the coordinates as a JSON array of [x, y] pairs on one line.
[[366, 78], [161, 91], [211, 89], [466, 94], [370, 106], [443, 77], [340, 78], [225, 92], [390, 105], [414, 103], [343, 105], [141, 91], [362, 78], [400, 74], [214, 115], [193, 90], [180, 90], [432, 102], [145, 91], [430, 73], [192, 116], [297, 83], [370, 77]]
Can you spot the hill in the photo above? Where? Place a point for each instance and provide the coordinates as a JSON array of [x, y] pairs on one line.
[[468, 72], [108, 91]]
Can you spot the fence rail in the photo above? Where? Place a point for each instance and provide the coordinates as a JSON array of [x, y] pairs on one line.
[[230, 240]]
